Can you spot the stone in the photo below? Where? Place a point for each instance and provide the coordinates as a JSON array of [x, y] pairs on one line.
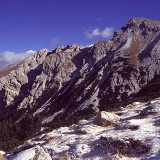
[[106, 118], [41, 154], [35, 153]]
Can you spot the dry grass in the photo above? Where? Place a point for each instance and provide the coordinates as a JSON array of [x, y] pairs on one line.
[[2, 158], [129, 147], [63, 156], [49, 139], [134, 48], [5, 71], [80, 131], [133, 51]]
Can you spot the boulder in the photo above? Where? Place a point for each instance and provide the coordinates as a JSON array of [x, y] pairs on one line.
[[106, 118], [36, 152]]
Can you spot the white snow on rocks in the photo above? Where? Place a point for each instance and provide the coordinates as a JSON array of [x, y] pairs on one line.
[[35, 153], [127, 43], [135, 137]]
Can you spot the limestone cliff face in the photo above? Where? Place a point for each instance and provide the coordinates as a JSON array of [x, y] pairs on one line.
[[74, 80]]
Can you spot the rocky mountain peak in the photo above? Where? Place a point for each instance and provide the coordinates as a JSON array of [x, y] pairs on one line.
[[68, 48], [73, 81], [50, 89], [74, 47], [144, 24], [59, 49]]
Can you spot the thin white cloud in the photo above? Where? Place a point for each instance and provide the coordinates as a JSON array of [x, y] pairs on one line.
[[106, 33], [54, 42], [9, 57]]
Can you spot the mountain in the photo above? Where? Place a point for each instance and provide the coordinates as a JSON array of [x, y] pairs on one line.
[[59, 87], [74, 80]]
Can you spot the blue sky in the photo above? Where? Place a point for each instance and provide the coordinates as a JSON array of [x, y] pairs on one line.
[[36, 24]]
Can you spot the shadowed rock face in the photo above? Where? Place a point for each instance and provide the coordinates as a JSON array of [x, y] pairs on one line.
[[74, 80]]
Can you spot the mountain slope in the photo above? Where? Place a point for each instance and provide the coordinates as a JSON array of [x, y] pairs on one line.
[[134, 137], [73, 81]]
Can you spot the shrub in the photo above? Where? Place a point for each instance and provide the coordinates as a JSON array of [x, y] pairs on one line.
[[14, 134], [128, 147], [68, 122]]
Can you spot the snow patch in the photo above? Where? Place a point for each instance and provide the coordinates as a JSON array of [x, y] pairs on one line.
[[127, 43], [85, 140]]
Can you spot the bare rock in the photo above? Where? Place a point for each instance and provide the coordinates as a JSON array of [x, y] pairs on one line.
[[73, 47], [41, 154], [106, 118], [35, 153]]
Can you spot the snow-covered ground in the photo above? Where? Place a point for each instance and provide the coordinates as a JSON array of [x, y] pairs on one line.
[[135, 137]]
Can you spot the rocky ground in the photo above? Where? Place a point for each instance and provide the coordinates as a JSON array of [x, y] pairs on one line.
[[131, 133]]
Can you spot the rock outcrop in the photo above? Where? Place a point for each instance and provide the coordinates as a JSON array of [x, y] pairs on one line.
[[34, 153], [73, 81], [106, 118]]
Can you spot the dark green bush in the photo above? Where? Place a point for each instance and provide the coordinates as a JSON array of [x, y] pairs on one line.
[[13, 134]]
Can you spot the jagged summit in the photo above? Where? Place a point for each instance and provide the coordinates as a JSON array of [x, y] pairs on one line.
[[139, 20], [143, 24], [68, 48]]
